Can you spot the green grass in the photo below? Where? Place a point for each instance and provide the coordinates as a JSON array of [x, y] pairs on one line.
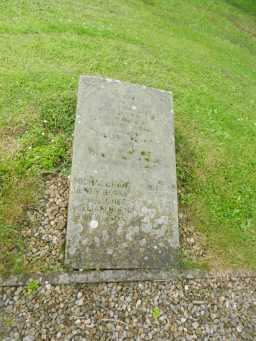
[[203, 51]]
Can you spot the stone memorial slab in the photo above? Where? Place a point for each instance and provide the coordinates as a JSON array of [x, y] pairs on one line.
[[123, 196]]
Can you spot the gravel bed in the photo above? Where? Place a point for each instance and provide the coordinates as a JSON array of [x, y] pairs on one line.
[[211, 308], [45, 232]]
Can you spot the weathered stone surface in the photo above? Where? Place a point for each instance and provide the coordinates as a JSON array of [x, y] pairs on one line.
[[112, 276], [123, 198]]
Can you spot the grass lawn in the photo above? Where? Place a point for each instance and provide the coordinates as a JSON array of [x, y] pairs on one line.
[[203, 51]]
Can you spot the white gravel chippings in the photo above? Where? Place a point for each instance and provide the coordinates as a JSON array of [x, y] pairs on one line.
[[211, 308]]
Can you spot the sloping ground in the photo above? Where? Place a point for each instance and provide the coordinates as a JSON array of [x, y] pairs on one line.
[[220, 307], [203, 51]]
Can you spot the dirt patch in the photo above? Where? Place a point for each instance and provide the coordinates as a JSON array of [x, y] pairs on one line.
[[193, 243]]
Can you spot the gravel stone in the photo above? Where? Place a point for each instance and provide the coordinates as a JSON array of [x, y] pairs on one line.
[[210, 308], [28, 338]]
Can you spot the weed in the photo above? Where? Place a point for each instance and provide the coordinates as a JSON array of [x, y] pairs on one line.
[[32, 287], [156, 313]]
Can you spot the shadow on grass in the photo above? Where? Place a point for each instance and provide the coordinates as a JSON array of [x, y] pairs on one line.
[[185, 158], [247, 6], [185, 167]]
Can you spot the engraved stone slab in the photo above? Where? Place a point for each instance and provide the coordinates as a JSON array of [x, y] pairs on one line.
[[123, 197]]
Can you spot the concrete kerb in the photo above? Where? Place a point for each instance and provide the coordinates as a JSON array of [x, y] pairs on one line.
[[115, 276]]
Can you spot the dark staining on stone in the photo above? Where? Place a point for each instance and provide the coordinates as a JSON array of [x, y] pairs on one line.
[[102, 154], [125, 184], [134, 137], [93, 182], [91, 151], [131, 151], [146, 155]]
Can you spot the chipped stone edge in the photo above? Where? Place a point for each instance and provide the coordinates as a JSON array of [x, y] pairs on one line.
[[115, 276]]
